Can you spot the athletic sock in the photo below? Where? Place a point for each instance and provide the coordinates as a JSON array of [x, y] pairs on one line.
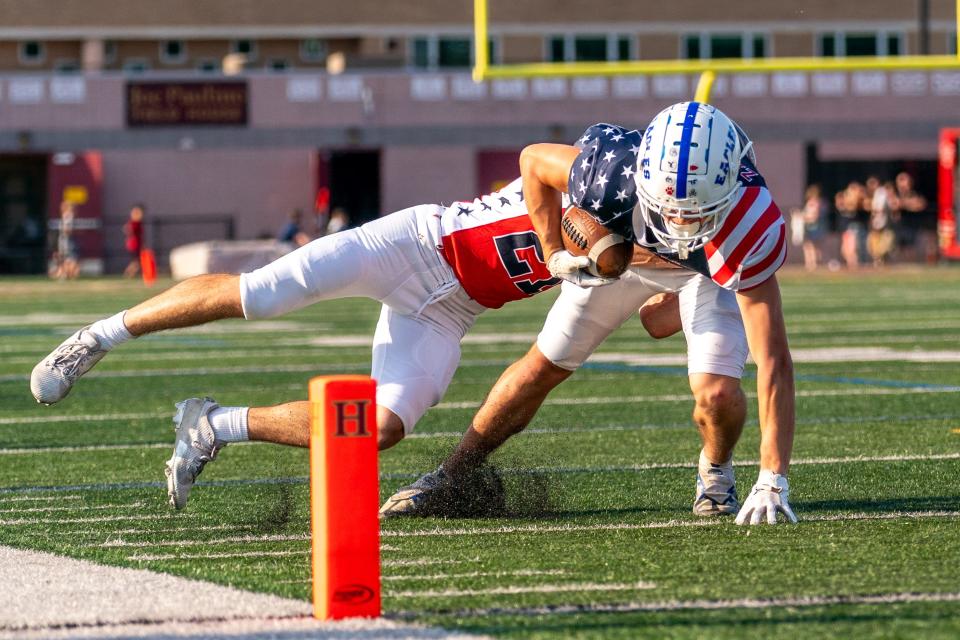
[[229, 424], [111, 332], [706, 465]]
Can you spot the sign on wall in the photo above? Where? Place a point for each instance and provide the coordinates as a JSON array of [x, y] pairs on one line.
[[164, 104]]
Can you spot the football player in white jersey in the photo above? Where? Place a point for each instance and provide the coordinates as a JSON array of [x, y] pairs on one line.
[[687, 189]]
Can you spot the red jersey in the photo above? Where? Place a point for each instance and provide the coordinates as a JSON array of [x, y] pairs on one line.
[[492, 247]]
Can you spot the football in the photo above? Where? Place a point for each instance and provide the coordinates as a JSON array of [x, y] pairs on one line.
[[609, 253]]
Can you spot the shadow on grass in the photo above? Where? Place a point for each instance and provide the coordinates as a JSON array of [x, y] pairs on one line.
[[883, 505]]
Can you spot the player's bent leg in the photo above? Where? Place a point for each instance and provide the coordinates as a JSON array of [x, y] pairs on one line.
[[191, 302], [194, 447], [289, 424], [508, 409], [194, 301], [720, 413]]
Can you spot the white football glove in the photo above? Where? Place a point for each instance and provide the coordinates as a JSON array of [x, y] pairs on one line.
[[770, 495], [562, 264]]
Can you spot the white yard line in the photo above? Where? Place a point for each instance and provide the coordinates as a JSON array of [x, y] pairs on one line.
[[578, 587], [19, 521], [475, 574], [5, 499], [99, 507], [147, 557], [665, 524], [708, 605]]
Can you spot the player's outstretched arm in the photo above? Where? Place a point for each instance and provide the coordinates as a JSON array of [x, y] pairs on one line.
[[762, 312]]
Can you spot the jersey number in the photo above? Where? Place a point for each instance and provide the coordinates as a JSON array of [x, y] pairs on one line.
[[522, 257]]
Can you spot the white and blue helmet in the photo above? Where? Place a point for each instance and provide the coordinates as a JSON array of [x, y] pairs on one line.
[[687, 175]]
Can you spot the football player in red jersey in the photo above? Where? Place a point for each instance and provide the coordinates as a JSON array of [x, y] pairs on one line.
[[688, 191]]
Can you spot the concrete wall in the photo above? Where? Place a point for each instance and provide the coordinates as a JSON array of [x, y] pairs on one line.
[[429, 174]]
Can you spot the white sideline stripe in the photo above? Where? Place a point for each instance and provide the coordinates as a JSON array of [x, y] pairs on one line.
[[250, 539], [476, 574], [40, 498], [667, 524], [543, 588], [425, 563], [829, 354], [742, 463], [683, 397], [216, 556], [99, 507], [194, 543], [82, 520], [686, 397], [447, 576], [739, 603]]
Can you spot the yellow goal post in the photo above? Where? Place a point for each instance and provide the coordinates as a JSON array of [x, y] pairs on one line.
[[484, 70]]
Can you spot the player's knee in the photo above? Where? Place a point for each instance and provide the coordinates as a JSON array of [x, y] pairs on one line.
[[717, 396], [660, 315], [540, 371], [389, 429]]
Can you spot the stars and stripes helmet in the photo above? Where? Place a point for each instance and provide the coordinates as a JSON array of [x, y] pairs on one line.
[[687, 174]]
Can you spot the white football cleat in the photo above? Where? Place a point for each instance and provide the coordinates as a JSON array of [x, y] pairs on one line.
[[55, 375], [195, 447], [410, 500], [716, 489]]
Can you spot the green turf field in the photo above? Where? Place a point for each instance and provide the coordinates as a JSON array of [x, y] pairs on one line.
[[601, 541]]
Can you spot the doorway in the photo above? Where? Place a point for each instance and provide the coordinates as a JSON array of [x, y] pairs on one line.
[[353, 178], [23, 219]]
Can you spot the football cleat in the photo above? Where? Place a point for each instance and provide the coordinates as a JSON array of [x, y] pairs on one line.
[[195, 447], [716, 490], [55, 375], [413, 499]]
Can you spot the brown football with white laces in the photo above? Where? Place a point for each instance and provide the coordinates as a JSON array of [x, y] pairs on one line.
[[609, 253]]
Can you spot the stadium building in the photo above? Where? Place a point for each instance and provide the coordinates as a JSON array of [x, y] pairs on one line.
[[222, 116]]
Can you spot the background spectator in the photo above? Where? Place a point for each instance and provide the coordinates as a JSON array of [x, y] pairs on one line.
[[339, 220], [851, 222], [912, 206], [881, 239], [133, 239], [66, 265], [292, 232], [814, 226]]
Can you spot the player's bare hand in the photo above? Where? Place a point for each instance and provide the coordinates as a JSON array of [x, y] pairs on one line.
[[769, 497], [562, 264]]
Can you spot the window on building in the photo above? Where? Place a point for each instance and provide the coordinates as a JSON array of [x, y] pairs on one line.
[[952, 43], [447, 52], [136, 65], [278, 64], [589, 48], [173, 51], [454, 52], [860, 44], [313, 50], [109, 51], [697, 46], [245, 47], [420, 53], [208, 65], [31, 52]]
